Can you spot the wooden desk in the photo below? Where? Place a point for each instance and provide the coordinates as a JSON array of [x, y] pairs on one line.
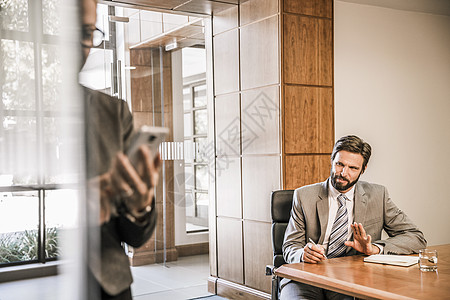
[[352, 276]]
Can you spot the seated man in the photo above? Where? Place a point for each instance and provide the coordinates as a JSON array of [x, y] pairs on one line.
[[330, 212]]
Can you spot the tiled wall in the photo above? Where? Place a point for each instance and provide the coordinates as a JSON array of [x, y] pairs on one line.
[[273, 76], [247, 114]]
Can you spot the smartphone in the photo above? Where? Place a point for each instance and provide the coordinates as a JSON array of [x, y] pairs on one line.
[[147, 135]]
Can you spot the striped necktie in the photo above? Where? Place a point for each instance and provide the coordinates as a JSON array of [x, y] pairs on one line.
[[339, 230]]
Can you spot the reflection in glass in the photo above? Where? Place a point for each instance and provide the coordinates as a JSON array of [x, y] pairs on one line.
[[17, 75], [200, 95], [202, 201], [51, 76], [196, 117], [200, 122], [57, 151], [14, 15], [187, 100], [51, 17], [103, 21], [201, 177], [61, 211], [205, 152], [96, 72], [18, 236], [197, 216], [189, 178], [188, 125], [18, 150], [190, 207]]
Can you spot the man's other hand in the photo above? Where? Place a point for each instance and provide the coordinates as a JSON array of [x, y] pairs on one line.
[[313, 253]]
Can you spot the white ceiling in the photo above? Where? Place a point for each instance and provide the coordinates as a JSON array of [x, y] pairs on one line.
[[440, 7]]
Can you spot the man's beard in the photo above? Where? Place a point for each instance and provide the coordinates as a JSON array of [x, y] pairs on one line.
[[342, 187]]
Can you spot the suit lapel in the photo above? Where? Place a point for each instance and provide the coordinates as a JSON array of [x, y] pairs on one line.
[[360, 204], [323, 210], [360, 207]]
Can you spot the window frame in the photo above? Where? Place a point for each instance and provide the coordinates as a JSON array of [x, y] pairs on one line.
[[191, 85], [35, 35]]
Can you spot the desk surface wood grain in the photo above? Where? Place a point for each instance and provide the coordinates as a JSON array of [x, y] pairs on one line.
[[352, 276]]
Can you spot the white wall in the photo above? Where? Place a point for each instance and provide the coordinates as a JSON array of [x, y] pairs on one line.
[[392, 88]]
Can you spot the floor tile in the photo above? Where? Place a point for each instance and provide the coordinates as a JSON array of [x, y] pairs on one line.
[[141, 286], [167, 295], [183, 279], [195, 291]]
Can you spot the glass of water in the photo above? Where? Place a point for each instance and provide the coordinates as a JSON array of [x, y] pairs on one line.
[[428, 260]]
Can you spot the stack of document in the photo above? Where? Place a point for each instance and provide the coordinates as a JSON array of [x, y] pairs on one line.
[[396, 260]]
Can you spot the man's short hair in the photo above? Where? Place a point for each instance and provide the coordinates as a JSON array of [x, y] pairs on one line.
[[354, 144]]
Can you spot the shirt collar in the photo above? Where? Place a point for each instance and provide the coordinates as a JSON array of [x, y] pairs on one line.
[[335, 193]]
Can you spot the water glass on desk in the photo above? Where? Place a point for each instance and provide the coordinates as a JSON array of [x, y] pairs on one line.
[[428, 260]]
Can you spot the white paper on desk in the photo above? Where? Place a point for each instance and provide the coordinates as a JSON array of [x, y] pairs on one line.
[[396, 260]]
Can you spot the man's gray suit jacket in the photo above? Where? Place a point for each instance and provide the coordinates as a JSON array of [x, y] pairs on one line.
[[109, 130], [373, 208]]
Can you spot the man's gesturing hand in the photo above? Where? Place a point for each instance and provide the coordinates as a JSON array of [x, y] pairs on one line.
[[362, 242]]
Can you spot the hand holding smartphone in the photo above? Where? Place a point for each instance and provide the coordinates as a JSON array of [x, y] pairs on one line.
[[147, 135]]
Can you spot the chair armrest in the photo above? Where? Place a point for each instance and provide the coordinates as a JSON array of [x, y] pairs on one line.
[[269, 270]]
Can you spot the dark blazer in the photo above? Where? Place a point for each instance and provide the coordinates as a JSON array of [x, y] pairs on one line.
[[109, 128], [373, 208]]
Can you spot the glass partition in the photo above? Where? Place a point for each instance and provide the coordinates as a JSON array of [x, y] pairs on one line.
[[42, 146], [163, 87], [36, 134]]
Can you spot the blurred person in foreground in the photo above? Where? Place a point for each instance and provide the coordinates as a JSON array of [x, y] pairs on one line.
[[344, 216], [120, 195]]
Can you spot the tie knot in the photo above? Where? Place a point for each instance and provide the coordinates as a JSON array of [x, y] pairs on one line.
[[341, 198]]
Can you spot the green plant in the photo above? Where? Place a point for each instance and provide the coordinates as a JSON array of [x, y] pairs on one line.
[[23, 245]]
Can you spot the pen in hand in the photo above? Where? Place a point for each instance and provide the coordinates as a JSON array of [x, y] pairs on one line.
[[312, 242]]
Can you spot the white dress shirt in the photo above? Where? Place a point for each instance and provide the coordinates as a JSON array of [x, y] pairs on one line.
[[333, 204]]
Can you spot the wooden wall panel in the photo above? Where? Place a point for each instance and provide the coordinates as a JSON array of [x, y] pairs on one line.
[[140, 57], [142, 118], [301, 170], [225, 20], [260, 176], [226, 62], [230, 249], [231, 290], [254, 10], [308, 50], [308, 126], [259, 54], [318, 8], [141, 88], [257, 254]]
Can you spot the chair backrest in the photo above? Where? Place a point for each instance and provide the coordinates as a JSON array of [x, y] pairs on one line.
[[281, 204]]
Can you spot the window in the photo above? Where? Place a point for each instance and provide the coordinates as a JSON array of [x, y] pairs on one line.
[[37, 186], [196, 170]]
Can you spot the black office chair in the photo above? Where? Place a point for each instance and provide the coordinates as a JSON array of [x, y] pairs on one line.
[[280, 206]]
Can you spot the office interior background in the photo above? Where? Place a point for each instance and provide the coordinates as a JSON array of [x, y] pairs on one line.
[[254, 92]]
